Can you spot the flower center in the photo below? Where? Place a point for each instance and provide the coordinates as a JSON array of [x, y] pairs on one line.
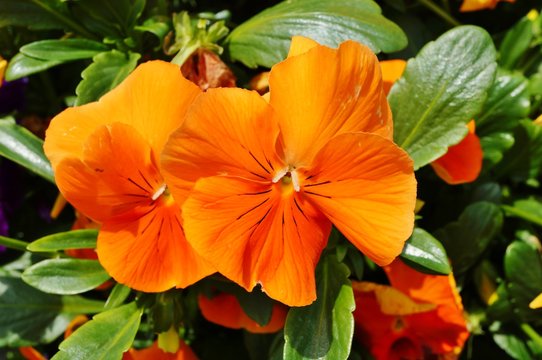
[[161, 190], [288, 175]]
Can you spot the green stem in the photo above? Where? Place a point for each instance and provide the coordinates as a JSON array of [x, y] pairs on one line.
[[67, 21], [185, 53], [438, 11], [532, 334], [13, 243]]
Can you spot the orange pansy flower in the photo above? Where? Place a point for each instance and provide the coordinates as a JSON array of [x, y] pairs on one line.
[[273, 177], [224, 309], [29, 353], [462, 162], [475, 5], [105, 158], [155, 353], [418, 315]]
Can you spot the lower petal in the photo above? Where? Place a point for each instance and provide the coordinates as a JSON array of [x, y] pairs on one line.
[[365, 185], [255, 234], [151, 253]]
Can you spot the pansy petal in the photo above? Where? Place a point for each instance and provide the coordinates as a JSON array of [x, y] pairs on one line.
[[224, 309], [254, 233], [153, 99], [392, 70], [462, 163], [102, 185], [446, 328], [365, 184], [155, 353], [325, 92], [219, 138], [300, 45], [150, 253]]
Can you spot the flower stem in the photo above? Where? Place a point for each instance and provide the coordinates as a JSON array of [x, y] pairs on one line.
[[440, 12], [13, 243], [532, 334]]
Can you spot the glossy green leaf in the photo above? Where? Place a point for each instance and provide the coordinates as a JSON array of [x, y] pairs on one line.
[[264, 39], [75, 239], [441, 90], [21, 146], [111, 19], [105, 337], [21, 65], [107, 71], [494, 146], [63, 50], [117, 297], [527, 209], [29, 13], [65, 276], [515, 43], [513, 346], [524, 160], [508, 101], [29, 316], [425, 253], [523, 269], [324, 329], [466, 239]]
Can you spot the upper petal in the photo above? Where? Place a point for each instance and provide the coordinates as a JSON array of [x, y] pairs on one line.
[[392, 70], [253, 234], [300, 45], [153, 99], [117, 173], [462, 162], [365, 185], [324, 92], [227, 132]]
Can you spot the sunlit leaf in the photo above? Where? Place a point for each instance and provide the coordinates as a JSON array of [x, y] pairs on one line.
[[264, 39], [75, 239], [425, 253], [63, 50], [442, 89]]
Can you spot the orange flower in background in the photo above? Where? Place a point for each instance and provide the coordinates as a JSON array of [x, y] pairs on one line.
[[463, 161], [224, 309], [475, 5], [155, 353], [105, 158], [3, 66], [417, 316], [29, 353], [273, 177]]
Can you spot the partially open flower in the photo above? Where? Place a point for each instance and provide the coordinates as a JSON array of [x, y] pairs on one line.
[[205, 69], [418, 316]]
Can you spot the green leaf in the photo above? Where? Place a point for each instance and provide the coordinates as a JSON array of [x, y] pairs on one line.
[[324, 329], [33, 14], [528, 209], [156, 26], [117, 297], [508, 101], [21, 65], [466, 239], [523, 269], [107, 71], [524, 160], [21, 146], [75, 239], [515, 43], [441, 90], [425, 253], [106, 336], [264, 39], [30, 316], [513, 345], [494, 146], [65, 276], [63, 50]]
